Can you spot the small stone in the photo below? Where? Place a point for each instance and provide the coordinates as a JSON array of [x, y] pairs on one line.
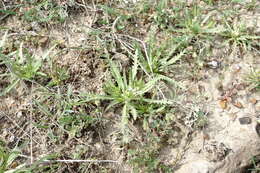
[[223, 104], [19, 114], [253, 101], [257, 129], [245, 120], [238, 105], [213, 64]]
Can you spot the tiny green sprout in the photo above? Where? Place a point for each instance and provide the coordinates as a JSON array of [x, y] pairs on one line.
[[254, 79]]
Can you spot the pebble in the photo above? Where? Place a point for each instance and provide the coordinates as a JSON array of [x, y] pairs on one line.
[[245, 120], [257, 128], [253, 101], [238, 105]]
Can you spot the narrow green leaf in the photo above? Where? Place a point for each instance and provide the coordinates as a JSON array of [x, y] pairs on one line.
[[12, 156], [148, 86], [133, 111], [145, 124], [125, 114], [172, 81], [164, 101], [116, 74], [174, 59], [112, 104]]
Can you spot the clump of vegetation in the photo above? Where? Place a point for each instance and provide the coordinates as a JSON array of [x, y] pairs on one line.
[[254, 79], [146, 158], [45, 12], [128, 91], [238, 35], [164, 43], [21, 64], [196, 26], [7, 158]]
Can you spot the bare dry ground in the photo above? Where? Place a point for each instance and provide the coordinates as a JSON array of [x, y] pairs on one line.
[[129, 86]]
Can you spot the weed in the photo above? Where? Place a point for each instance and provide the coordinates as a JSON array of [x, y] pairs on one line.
[[7, 158], [238, 35], [201, 119], [45, 12], [252, 5], [127, 91], [146, 158], [22, 66], [159, 60], [254, 79], [197, 26], [58, 75], [163, 16], [255, 164]]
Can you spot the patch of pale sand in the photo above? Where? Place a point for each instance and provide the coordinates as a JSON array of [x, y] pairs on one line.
[[233, 143]]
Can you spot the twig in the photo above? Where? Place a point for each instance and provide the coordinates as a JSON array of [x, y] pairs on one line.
[[31, 142], [74, 161], [78, 161]]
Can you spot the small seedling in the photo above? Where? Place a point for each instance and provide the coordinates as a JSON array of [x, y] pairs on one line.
[[254, 79], [238, 35], [145, 158], [197, 26], [22, 66], [57, 74], [46, 12]]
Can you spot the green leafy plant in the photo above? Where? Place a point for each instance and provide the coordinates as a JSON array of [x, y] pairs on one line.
[[22, 66], [7, 158], [57, 74], [160, 59], [254, 79], [145, 158], [127, 90], [67, 108], [201, 119], [46, 12], [195, 25], [255, 165], [163, 15], [238, 35]]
